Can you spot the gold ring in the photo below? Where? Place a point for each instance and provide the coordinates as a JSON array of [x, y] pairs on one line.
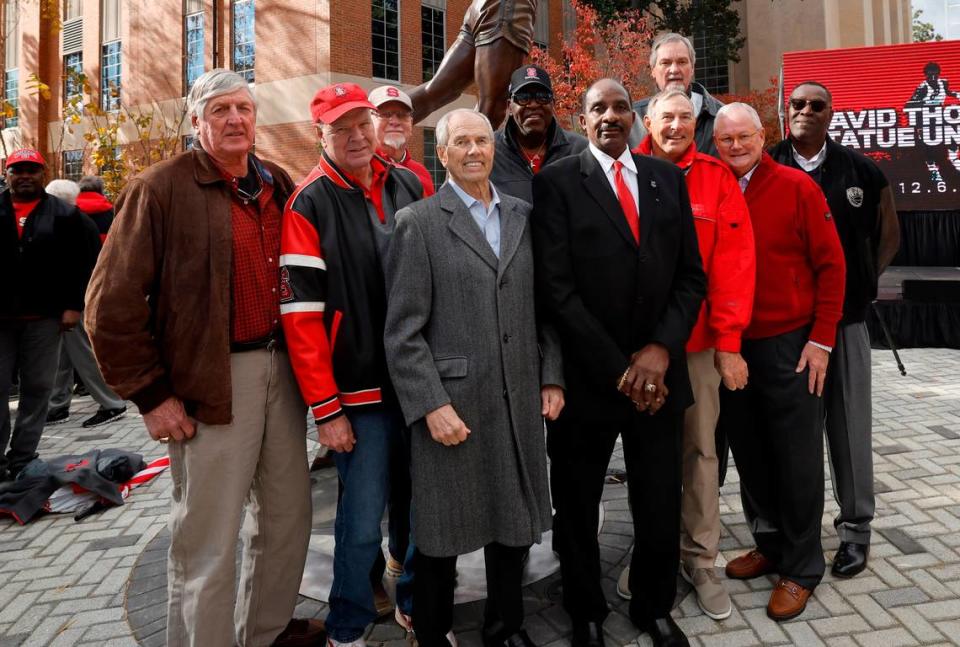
[[164, 440]]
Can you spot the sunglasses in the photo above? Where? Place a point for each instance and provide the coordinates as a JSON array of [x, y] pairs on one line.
[[526, 98], [817, 105]]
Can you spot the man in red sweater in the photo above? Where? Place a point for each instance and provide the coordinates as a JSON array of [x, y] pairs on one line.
[[725, 239], [775, 425]]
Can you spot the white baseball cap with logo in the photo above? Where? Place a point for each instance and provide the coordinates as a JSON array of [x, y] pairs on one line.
[[387, 93]]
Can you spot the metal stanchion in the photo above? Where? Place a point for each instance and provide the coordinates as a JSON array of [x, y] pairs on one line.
[[889, 338]]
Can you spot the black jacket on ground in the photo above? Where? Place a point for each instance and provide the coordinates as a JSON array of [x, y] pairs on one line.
[[511, 170], [852, 184], [46, 270]]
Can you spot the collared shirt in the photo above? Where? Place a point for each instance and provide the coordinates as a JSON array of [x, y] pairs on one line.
[[744, 180], [629, 170], [487, 218], [697, 100], [814, 162], [255, 224]]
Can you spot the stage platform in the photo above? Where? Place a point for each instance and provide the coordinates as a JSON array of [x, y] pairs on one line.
[[919, 305]]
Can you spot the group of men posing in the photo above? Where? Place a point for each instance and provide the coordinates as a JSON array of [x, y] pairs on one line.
[[605, 290]]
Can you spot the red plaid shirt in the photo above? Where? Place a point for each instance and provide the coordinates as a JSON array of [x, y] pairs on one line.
[[255, 310]]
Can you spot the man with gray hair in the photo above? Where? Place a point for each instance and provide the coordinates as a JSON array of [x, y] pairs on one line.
[[463, 348], [672, 60], [184, 314], [775, 424]]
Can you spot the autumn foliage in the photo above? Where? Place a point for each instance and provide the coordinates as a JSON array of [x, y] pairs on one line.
[[766, 103], [618, 48]]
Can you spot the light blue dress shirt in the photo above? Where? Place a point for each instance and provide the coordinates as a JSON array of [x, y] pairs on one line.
[[487, 219]]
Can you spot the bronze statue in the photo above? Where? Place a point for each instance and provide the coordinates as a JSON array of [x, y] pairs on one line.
[[495, 38]]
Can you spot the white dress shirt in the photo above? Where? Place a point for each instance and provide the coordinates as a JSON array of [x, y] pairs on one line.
[[629, 171], [744, 179], [487, 218], [814, 162]]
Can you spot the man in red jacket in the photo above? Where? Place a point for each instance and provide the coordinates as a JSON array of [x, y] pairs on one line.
[[775, 425], [725, 238], [393, 120]]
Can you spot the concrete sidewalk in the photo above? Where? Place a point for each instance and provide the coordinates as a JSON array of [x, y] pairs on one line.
[[101, 581]]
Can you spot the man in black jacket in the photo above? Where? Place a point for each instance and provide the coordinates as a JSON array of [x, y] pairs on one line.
[[531, 138], [672, 59], [620, 277], [861, 201], [45, 273]]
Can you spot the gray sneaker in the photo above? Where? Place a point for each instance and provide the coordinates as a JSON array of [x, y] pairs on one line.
[[712, 598], [623, 584]]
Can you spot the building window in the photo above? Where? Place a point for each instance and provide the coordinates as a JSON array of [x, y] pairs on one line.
[[244, 40], [73, 164], [110, 55], [193, 62], [72, 9], [72, 75], [386, 39], [433, 37], [711, 68], [11, 98], [541, 26], [430, 159]]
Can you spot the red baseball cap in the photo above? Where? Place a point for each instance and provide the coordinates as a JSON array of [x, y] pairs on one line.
[[25, 156], [334, 101]]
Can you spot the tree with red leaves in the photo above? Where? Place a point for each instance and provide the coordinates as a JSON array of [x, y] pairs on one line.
[[618, 48], [765, 102]]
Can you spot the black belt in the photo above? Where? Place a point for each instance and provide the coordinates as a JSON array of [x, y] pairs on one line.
[[273, 342]]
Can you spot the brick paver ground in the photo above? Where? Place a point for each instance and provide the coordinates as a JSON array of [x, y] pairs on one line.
[[100, 582]]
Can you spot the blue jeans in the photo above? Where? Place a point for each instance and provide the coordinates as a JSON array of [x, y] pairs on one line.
[[365, 481]]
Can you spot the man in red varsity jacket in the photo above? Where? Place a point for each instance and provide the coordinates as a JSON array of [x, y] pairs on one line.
[[775, 425], [336, 230]]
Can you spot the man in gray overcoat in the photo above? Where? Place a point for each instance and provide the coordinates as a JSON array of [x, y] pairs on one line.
[[464, 353]]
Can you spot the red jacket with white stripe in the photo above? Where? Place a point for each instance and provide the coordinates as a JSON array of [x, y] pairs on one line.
[[725, 238], [334, 237]]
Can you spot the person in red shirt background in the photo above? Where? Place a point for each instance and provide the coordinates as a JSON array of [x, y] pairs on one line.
[[44, 273], [393, 120], [725, 239], [775, 424]]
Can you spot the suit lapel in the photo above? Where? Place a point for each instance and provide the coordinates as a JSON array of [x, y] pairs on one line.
[[648, 198], [465, 227], [596, 183], [512, 224]]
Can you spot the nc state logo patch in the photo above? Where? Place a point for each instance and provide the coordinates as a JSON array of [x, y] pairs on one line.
[[855, 196], [286, 292], [531, 72], [339, 91], [393, 92]]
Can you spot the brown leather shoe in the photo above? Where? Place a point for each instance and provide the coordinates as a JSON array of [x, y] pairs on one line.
[[749, 566], [788, 600], [381, 601], [301, 632]]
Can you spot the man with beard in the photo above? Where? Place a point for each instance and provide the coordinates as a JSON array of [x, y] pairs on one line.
[[775, 424], [45, 264], [531, 138], [393, 121], [726, 245], [672, 60], [861, 202], [620, 278]]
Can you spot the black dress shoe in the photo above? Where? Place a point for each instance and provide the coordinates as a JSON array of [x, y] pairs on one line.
[[519, 639], [664, 632], [587, 634], [850, 559]]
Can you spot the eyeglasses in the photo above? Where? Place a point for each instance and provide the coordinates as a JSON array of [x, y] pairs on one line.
[[743, 139], [399, 115], [526, 98], [817, 105]]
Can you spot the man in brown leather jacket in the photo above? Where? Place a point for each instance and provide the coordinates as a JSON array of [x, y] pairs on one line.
[[183, 311]]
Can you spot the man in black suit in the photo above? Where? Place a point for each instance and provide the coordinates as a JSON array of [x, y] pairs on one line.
[[620, 277]]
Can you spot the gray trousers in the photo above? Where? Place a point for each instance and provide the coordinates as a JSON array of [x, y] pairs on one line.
[[849, 432], [34, 348], [77, 354]]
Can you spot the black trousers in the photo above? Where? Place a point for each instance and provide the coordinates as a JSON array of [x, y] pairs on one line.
[[433, 595], [580, 452], [775, 427]]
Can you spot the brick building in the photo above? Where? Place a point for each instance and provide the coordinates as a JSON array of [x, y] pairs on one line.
[[148, 52]]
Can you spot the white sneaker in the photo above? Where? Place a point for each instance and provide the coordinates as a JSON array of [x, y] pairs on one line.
[[359, 642], [623, 584]]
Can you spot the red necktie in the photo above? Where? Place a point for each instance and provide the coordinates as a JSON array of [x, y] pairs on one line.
[[626, 201]]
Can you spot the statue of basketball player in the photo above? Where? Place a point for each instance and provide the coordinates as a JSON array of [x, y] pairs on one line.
[[495, 38]]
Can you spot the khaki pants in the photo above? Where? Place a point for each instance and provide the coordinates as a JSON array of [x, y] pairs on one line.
[[700, 503], [257, 464]]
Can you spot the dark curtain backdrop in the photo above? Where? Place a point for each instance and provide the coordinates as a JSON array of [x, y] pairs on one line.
[[929, 238]]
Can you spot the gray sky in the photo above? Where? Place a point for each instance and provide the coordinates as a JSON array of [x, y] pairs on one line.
[[935, 12]]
